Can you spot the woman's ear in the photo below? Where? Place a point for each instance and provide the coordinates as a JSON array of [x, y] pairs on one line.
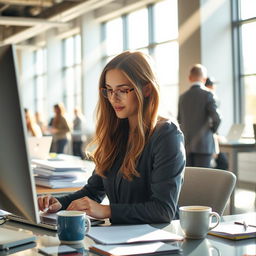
[[146, 90]]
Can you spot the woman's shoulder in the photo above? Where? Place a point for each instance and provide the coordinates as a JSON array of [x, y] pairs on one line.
[[167, 125], [167, 134]]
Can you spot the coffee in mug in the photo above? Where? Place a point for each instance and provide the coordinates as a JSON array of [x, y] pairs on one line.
[[195, 221], [72, 226]]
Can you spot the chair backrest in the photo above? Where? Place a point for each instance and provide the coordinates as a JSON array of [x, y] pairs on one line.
[[206, 186]]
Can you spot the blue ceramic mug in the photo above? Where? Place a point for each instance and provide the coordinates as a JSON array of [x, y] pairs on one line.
[[72, 226]]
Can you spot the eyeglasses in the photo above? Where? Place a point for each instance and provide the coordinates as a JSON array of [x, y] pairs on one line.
[[119, 93]]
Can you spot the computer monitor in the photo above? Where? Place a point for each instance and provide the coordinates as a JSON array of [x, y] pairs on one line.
[[17, 187]]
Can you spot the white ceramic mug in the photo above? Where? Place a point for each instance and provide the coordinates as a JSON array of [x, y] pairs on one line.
[[195, 220]]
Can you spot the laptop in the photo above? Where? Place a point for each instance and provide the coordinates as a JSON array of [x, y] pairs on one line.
[[49, 221], [39, 147], [235, 133]]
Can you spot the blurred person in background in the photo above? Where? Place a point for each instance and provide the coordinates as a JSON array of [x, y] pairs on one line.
[[220, 158], [40, 122], [78, 136], [60, 128], [32, 128], [199, 119]]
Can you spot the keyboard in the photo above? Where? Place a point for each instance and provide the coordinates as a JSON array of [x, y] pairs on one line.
[[49, 222]]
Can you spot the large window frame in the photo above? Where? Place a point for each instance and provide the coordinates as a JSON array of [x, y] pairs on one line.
[[168, 83], [243, 109], [72, 72], [40, 79]]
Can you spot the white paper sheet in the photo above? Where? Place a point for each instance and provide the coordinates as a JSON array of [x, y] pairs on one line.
[[136, 249], [130, 234]]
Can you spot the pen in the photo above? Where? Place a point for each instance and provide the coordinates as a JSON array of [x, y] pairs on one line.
[[244, 224]]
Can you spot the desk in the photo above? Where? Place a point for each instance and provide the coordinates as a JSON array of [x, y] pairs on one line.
[[202, 247], [232, 149], [43, 190]]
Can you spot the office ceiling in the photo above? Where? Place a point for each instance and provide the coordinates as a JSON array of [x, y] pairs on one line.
[[23, 19]]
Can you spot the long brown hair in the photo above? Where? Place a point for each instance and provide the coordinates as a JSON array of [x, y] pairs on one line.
[[112, 134]]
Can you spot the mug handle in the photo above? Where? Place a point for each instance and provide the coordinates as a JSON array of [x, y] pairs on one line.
[[218, 220], [213, 248], [88, 226]]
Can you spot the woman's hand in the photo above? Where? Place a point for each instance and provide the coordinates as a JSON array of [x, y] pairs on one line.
[[91, 208], [48, 203]]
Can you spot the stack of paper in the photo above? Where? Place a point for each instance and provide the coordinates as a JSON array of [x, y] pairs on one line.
[[132, 240], [58, 174], [130, 234], [157, 248]]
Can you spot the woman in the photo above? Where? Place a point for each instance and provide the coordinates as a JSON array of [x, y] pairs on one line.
[[33, 130], [139, 158], [39, 121], [59, 129], [77, 135]]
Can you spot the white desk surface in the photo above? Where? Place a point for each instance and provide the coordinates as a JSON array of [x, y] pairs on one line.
[[204, 247]]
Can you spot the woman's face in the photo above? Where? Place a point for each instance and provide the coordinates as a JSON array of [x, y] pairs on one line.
[[123, 101], [56, 110]]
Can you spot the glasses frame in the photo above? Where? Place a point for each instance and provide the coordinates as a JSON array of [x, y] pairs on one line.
[[105, 91]]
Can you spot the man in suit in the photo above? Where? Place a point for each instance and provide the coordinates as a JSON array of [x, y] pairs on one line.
[[199, 119]]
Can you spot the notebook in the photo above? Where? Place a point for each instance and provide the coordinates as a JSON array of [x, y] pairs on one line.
[[233, 231], [235, 133], [39, 147], [11, 238], [157, 248]]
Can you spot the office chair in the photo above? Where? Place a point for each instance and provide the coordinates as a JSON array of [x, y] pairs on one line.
[[206, 186]]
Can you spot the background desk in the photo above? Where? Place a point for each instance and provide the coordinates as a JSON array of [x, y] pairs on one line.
[[232, 150], [43, 190], [203, 247]]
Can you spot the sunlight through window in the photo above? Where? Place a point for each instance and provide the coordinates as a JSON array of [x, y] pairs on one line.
[[138, 29]]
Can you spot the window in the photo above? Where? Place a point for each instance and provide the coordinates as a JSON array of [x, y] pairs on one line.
[[248, 9], [40, 80], [166, 21], [138, 29], [247, 68], [114, 40], [72, 72], [153, 30]]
